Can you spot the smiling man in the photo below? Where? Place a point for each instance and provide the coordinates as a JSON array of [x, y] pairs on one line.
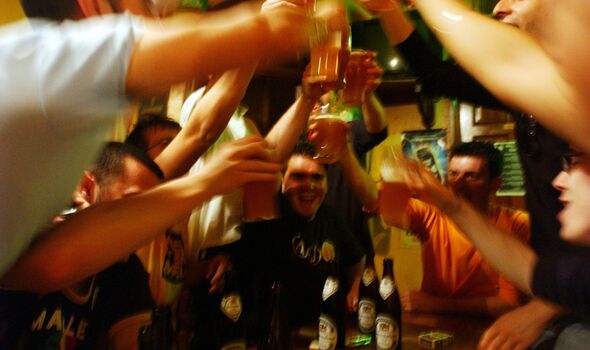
[[300, 248]]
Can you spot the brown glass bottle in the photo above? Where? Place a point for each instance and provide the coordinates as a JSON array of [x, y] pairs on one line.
[[331, 322], [276, 334], [388, 324], [158, 334], [368, 297], [231, 327]]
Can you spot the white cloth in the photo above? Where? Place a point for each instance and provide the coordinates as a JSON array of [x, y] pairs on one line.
[[61, 86], [216, 222]]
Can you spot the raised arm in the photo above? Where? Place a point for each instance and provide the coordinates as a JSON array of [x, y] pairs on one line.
[[546, 78], [287, 130], [373, 113], [109, 231], [208, 119], [504, 252], [172, 51], [361, 183]]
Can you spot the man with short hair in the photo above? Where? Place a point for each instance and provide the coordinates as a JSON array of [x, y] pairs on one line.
[[108, 308], [456, 279], [302, 246]]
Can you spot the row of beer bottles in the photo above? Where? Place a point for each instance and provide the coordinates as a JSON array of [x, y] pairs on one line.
[[379, 309]]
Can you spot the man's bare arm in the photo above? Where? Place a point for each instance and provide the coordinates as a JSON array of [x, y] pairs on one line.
[[208, 119], [109, 231]]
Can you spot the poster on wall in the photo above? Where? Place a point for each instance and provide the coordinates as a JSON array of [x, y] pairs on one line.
[[429, 147], [512, 176]]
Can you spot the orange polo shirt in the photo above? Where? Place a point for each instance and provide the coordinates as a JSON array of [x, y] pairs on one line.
[[452, 266]]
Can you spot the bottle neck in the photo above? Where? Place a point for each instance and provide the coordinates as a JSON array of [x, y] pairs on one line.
[[388, 268]]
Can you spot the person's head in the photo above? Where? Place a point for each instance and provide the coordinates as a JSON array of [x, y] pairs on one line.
[[76, 9], [574, 184], [518, 13], [474, 172], [121, 170], [305, 183], [153, 133]]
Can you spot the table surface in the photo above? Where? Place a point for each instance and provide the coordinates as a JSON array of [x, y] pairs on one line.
[[466, 331]]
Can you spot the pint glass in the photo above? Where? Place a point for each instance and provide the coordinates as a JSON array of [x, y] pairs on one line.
[[395, 194], [355, 79], [329, 132], [259, 200]]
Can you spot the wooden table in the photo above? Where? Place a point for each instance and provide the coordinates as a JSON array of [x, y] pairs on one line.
[[466, 331]]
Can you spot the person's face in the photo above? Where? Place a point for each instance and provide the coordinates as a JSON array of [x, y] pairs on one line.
[[518, 13], [574, 185], [135, 179], [305, 185], [469, 178], [158, 139]]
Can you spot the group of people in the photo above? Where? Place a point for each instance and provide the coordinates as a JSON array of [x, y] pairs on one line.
[[144, 241]]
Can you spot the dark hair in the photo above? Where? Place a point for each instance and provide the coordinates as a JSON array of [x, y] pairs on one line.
[[484, 150], [137, 136], [54, 9], [304, 147], [111, 162]]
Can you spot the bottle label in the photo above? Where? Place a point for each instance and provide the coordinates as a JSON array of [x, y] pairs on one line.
[[328, 333], [234, 345], [386, 287], [330, 287], [386, 332], [231, 306], [369, 276], [367, 313]]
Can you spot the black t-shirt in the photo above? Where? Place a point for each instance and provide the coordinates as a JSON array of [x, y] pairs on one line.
[[298, 253], [65, 320]]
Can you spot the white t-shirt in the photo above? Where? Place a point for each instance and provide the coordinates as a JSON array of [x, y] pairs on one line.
[[61, 86], [216, 222]]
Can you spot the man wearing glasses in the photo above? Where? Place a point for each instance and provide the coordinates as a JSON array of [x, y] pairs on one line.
[[456, 279]]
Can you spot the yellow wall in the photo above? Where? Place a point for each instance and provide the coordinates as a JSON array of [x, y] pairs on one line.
[[388, 242], [10, 11]]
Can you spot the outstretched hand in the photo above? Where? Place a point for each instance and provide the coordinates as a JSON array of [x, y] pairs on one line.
[[239, 162], [426, 187]]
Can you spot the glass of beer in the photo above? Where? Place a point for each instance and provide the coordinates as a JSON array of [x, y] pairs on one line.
[[395, 194], [329, 132], [326, 64], [259, 201], [355, 78]]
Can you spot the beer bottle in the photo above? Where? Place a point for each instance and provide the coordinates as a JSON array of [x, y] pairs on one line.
[[158, 334], [276, 334], [368, 297], [331, 323], [388, 325], [231, 327]]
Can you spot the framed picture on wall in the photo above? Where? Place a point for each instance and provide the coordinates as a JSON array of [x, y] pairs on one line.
[[429, 147]]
